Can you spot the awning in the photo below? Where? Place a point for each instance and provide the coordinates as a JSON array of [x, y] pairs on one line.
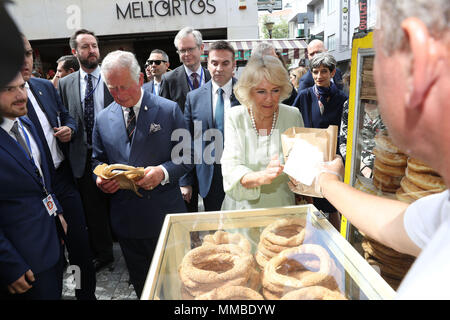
[[290, 48]]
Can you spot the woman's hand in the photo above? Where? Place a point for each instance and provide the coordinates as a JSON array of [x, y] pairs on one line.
[[266, 176]]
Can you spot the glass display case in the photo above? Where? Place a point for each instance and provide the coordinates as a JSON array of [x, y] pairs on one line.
[[364, 122], [183, 233]]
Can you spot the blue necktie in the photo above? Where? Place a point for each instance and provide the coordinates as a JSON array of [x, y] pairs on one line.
[[219, 110], [89, 109]]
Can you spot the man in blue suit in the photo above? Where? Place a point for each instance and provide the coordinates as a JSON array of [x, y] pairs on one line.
[[136, 130], [204, 110], [55, 128], [30, 251]]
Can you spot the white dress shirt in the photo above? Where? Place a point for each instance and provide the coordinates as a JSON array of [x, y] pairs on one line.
[[57, 155], [200, 72], [227, 91], [97, 84]]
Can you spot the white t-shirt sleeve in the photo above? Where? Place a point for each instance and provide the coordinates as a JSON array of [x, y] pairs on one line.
[[423, 218]]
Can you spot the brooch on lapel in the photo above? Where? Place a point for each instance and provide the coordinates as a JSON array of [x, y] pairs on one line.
[[154, 128]]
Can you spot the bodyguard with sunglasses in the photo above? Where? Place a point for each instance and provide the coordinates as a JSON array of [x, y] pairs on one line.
[[158, 64]]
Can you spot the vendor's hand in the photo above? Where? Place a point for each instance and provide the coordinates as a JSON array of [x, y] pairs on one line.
[[107, 185], [22, 284], [152, 178], [273, 170], [64, 133], [186, 192], [332, 170]]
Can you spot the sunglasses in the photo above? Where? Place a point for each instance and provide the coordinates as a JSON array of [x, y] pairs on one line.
[[157, 62]]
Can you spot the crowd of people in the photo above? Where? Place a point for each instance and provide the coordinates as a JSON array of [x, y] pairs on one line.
[[54, 133]]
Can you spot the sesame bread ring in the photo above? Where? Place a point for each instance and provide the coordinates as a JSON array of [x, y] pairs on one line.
[[386, 180], [384, 142], [231, 293], [389, 158], [389, 170], [261, 259], [419, 166], [412, 190], [403, 196], [426, 181], [379, 185], [222, 237], [314, 293], [212, 265], [319, 277], [286, 232]]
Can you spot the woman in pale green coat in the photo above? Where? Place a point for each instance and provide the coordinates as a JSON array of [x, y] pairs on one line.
[[252, 160]]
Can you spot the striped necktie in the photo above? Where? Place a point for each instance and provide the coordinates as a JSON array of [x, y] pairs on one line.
[[131, 123]]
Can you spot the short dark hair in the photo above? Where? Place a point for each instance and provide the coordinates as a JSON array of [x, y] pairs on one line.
[[161, 52], [73, 38], [221, 45], [70, 61]]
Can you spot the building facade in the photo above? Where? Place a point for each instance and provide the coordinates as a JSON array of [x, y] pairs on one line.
[[138, 26], [333, 21]]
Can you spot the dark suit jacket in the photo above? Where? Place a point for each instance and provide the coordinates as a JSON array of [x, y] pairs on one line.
[[50, 102], [175, 85], [307, 81], [308, 105], [28, 235], [133, 217], [148, 86], [199, 107], [69, 89]]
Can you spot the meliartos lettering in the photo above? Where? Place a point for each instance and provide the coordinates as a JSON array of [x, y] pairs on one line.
[[162, 8]]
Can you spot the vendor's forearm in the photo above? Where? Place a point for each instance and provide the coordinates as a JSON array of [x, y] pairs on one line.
[[377, 217]]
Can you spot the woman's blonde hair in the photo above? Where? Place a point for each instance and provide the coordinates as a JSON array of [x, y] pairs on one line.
[[257, 69], [299, 72]]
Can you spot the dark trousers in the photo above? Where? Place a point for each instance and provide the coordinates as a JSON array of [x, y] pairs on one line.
[[96, 210], [77, 239], [214, 198], [192, 206], [47, 285], [138, 254]]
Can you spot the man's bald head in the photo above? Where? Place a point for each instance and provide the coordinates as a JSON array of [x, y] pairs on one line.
[[315, 46]]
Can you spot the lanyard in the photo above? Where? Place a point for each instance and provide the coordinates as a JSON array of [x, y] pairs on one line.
[[36, 170], [199, 83]]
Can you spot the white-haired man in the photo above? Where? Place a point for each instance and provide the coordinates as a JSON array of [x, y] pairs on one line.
[[136, 130]]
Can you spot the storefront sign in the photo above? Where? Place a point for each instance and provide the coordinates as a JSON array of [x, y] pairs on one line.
[[362, 15], [345, 22], [161, 8]]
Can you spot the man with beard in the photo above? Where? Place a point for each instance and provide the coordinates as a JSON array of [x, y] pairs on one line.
[[54, 126], [85, 94], [30, 259]]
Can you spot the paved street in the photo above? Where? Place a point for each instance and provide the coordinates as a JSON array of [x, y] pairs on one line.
[[111, 285]]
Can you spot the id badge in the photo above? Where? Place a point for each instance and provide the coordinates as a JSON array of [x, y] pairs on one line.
[[50, 205]]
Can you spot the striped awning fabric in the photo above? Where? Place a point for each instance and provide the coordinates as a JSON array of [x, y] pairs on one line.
[[291, 48]]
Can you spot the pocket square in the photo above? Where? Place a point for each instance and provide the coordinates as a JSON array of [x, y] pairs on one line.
[[154, 128]]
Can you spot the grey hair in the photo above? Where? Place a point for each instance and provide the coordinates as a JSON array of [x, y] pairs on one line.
[[262, 49], [323, 59], [433, 13], [161, 52], [257, 69], [183, 33], [121, 59]]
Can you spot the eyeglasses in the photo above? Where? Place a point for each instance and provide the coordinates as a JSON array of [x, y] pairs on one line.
[[157, 62], [187, 50]]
